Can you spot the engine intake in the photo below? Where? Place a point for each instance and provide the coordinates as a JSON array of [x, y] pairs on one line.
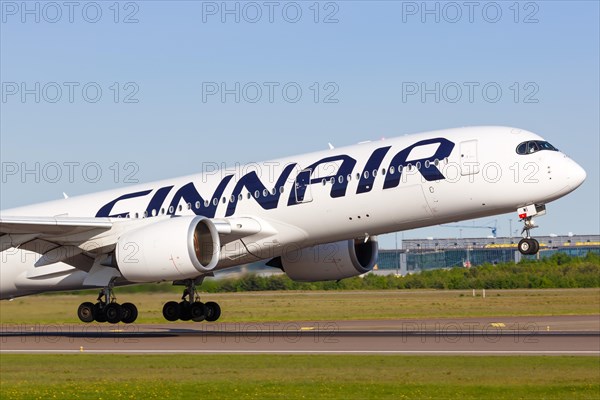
[[173, 249], [331, 261]]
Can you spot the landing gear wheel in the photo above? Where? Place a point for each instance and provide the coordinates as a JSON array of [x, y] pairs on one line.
[[535, 246], [99, 314], [114, 313], [85, 312], [198, 311], [185, 312], [524, 246], [213, 311], [529, 246], [171, 311], [130, 313]]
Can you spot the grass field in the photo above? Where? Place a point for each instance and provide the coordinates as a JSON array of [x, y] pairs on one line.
[[328, 305], [297, 377]]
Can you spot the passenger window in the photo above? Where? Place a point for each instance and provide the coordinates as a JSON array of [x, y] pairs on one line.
[[206, 203], [392, 170]]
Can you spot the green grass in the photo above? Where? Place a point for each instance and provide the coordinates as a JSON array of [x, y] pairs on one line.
[[297, 377], [327, 305]]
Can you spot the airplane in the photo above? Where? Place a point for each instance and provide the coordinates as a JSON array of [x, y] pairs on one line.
[[315, 216]]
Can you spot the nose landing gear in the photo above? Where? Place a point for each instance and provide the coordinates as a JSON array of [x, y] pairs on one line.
[[528, 245]]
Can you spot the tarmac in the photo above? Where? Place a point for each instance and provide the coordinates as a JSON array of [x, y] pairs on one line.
[[536, 335]]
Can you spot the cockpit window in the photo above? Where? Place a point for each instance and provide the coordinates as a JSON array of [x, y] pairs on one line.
[[534, 146]]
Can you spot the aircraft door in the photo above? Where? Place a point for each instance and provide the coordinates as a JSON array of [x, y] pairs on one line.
[[469, 162], [302, 187]]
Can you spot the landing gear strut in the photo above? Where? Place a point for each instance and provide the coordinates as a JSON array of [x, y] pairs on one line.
[[190, 307], [107, 309], [527, 245]]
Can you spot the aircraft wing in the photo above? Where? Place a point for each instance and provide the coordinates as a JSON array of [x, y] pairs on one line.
[[52, 226]]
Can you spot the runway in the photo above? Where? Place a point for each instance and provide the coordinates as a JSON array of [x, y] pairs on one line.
[[564, 335]]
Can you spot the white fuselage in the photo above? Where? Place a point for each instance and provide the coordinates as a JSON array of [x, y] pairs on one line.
[[350, 192]]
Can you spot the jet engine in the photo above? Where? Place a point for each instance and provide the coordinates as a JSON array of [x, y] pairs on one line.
[[173, 249], [331, 261]]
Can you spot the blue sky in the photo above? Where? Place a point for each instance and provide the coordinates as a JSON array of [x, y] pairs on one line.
[[156, 116]]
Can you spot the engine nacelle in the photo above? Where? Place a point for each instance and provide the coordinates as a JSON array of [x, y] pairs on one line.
[[173, 249], [332, 261]]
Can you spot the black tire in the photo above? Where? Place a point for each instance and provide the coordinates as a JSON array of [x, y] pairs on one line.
[[524, 246], [535, 246], [171, 311], [130, 313], [213, 311], [114, 313], [185, 311], [198, 311], [99, 314], [85, 312]]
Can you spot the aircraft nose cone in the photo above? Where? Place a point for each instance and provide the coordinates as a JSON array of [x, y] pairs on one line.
[[577, 175]]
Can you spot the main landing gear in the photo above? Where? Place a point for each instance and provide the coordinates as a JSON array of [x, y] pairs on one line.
[[190, 307], [528, 245], [107, 309]]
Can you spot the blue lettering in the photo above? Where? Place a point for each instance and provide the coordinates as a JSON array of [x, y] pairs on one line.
[[428, 169], [189, 194], [367, 178], [266, 199], [106, 209], [339, 186]]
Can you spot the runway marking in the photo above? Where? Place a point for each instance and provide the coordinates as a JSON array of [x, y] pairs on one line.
[[398, 352]]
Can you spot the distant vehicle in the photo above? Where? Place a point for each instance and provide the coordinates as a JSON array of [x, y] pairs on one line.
[[315, 216]]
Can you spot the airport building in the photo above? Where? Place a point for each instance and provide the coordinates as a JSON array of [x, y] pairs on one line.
[[415, 255]]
